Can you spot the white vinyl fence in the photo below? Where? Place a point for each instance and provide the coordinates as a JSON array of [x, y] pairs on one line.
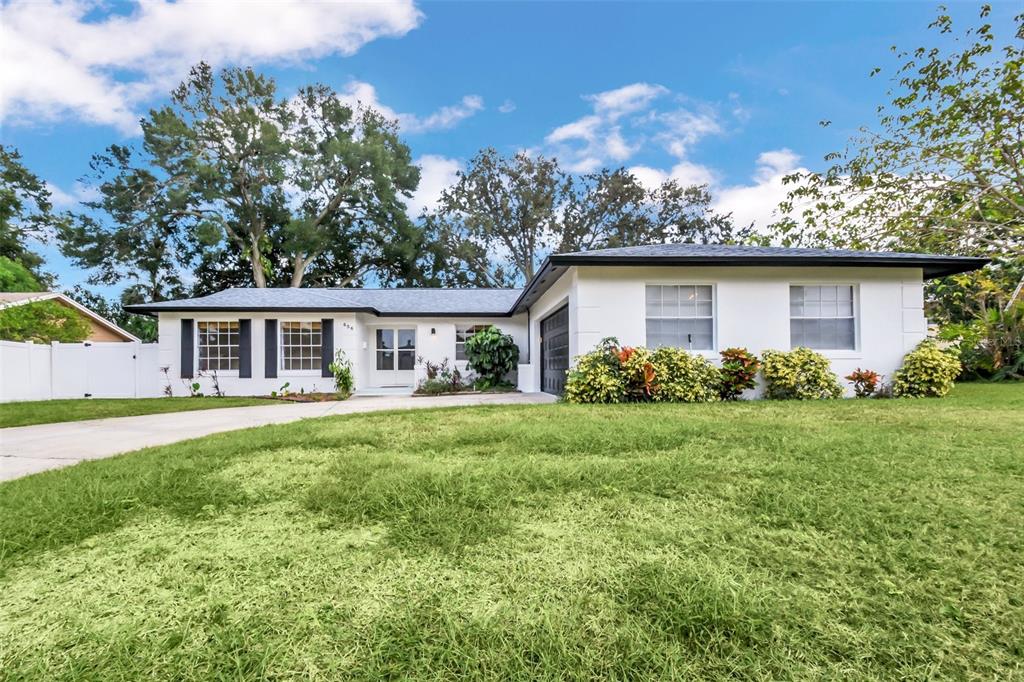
[[32, 371]]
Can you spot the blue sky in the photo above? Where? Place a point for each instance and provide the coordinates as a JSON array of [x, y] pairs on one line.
[[724, 93]]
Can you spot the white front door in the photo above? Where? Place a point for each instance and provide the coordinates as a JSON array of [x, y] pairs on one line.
[[394, 356]]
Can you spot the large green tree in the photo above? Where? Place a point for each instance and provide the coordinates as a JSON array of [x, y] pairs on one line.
[[503, 215], [26, 212], [287, 186], [941, 171]]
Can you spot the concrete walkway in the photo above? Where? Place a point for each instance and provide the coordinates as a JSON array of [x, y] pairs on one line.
[[26, 450]]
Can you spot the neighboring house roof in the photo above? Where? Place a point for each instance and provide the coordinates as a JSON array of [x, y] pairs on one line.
[[9, 299], [502, 302], [383, 302], [723, 254]]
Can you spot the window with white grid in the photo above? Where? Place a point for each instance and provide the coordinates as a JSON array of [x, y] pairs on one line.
[[822, 317], [300, 345], [462, 334], [218, 346], [680, 316]]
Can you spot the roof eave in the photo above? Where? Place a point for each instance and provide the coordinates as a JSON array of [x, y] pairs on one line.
[[152, 311]]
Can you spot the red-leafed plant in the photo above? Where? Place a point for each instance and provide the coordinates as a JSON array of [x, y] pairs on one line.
[[739, 372], [865, 382]]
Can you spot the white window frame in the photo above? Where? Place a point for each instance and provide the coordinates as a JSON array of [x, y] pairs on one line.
[[714, 313], [831, 352], [467, 326], [197, 363], [282, 370]]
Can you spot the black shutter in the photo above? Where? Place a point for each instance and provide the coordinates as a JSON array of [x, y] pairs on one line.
[[326, 346], [187, 349], [270, 346], [245, 349]]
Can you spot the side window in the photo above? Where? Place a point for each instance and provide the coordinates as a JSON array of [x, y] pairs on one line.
[[681, 316], [822, 317]]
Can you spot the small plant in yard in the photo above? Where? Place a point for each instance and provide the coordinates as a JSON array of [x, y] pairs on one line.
[[341, 368], [441, 377], [865, 382], [800, 374], [282, 392], [167, 390], [195, 389], [738, 372], [492, 354], [927, 372]]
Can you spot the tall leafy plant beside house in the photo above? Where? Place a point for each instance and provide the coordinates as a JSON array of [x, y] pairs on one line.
[[492, 354]]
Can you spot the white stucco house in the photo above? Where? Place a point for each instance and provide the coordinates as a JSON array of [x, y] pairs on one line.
[[860, 309]]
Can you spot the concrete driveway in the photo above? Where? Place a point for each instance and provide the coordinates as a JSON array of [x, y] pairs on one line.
[[27, 450]]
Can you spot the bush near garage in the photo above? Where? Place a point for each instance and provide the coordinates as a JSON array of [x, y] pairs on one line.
[[799, 374], [492, 354], [615, 374], [927, 372]]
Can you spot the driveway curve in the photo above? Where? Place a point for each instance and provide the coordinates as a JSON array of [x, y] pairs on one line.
[[27, 450]]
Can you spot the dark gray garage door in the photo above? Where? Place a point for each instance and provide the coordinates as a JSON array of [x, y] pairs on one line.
[[554, 351]]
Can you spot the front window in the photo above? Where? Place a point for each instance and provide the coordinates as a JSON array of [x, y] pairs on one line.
[[680, 316], [462, 334], [821, 317], [218, 346], [300, 345]]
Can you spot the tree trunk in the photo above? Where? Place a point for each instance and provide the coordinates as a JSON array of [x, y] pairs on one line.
[[298, 270], [259, 277]]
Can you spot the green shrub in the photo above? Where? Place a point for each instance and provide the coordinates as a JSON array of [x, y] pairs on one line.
[[610, 374], [927, 372], [341, 368], [738, 372], [800, 374], [492, 354], [684, 378]]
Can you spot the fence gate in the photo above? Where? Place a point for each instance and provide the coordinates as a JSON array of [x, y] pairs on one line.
[[78, 370]]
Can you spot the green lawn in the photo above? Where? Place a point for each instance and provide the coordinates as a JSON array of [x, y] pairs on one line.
[[51, 411], [839, 540]]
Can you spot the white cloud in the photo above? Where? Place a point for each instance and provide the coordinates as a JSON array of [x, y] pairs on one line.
[[757, 203], [358, 92], [627, 99], [58, 60], [507, 107], [684, 172], [437, 173], [625, 120], [79, 193]]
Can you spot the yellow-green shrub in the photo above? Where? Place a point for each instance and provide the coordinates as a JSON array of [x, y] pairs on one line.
[[610, 374], [800, 374], [927, 372], [597, 377], [684, 378]]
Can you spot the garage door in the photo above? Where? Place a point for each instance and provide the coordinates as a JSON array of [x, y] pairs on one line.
[[554, 351]]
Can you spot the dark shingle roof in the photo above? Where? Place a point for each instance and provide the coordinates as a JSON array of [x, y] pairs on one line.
[[714, 253], [932, 265], [481, 302], [498, 302]]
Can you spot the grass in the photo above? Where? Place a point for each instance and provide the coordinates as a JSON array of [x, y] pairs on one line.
[[53, 411], [841, 540]]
